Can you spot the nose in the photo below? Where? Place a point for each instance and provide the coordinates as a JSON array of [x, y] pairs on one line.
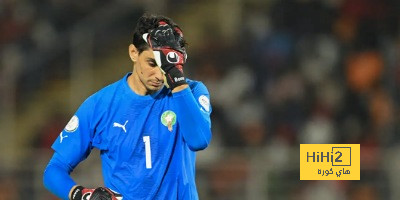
[[159, 75]]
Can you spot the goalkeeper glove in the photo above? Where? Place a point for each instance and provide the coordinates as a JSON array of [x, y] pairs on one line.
[[100, 193], [169, 52]]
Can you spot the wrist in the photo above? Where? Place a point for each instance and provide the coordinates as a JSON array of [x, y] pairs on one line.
[[75, 190], [175, 77], [180, 88], [79, 192]]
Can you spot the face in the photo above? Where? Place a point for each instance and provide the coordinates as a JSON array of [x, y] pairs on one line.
[[146, 69]]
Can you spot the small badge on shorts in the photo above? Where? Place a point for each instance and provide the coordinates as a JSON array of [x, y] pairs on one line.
[[168, 119]]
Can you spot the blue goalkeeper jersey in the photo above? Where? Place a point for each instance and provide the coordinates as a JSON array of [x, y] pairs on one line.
[[147, 143]]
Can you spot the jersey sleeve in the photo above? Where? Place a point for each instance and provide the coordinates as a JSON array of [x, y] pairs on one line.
[[193, 115], [202, 98], [56, 177], [75, 142]]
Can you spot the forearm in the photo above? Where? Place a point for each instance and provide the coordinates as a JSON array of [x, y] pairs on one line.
[[194, 127], [56, 177]]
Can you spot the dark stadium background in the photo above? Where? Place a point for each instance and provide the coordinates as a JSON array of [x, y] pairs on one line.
[[280, 73]]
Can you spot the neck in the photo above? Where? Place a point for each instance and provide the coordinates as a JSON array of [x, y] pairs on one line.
[[136, 85]]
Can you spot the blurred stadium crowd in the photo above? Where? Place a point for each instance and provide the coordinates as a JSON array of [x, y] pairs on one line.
[[280, 73]]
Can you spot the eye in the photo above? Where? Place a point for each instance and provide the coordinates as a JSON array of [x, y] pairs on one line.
[[152, 64]]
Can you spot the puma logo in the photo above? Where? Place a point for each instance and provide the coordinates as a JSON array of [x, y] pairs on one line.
[[62, 137], [120, 125]]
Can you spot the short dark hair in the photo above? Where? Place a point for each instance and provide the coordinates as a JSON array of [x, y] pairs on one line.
[[145, 24]]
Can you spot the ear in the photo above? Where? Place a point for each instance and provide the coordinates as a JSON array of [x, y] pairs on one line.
[[133, 53]]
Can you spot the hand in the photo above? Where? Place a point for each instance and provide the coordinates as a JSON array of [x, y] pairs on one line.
[[169, 53], [103, 193], [171, 62], [100, 193]]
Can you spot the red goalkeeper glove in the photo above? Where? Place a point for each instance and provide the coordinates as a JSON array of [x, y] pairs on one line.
[[167, 44], [171, 62], [100, 193]]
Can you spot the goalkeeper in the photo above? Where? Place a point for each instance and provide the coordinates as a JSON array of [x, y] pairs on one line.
[[147, 126]]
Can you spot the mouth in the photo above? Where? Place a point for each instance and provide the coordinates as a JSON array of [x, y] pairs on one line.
[[156, 84]]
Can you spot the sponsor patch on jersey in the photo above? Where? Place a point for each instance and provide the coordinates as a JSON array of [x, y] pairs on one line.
[[205, 102], [72, 124], [168, 119]]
